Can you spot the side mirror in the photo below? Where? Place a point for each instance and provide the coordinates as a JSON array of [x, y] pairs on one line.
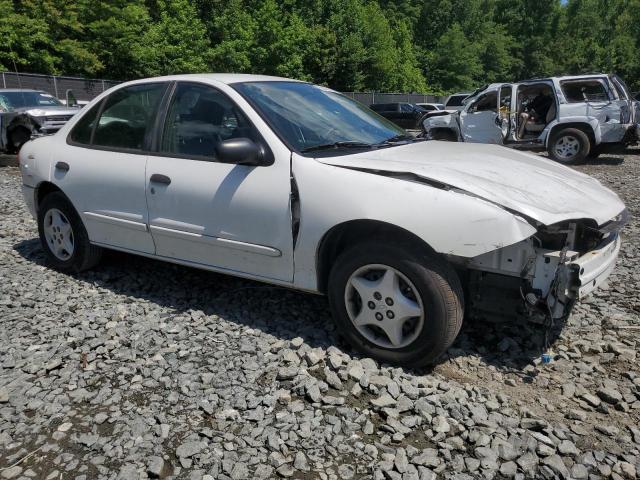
[[239, 151], [71, 99]]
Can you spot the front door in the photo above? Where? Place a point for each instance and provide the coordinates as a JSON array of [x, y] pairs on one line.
[[101, 167], [229, 217], [480, 121]]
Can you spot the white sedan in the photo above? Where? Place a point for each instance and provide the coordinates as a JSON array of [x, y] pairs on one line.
[[294, 184]]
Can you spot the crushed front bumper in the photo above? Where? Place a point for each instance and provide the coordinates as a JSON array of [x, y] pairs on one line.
[[595, 266]]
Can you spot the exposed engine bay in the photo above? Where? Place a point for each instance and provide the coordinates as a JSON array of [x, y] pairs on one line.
[[540, 278]]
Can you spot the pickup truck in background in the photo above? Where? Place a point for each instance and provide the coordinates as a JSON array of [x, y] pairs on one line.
[[25, 114]]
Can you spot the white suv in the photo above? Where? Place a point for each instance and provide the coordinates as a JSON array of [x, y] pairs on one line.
[[571, 117], [294, 184]]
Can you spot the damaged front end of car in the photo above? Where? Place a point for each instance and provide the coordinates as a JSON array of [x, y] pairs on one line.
[[541, 278]]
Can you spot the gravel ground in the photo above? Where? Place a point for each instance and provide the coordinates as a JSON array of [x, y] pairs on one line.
[[142, 369]]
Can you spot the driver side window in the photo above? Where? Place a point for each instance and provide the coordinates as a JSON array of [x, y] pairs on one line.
[[486, 103], [198, 118]]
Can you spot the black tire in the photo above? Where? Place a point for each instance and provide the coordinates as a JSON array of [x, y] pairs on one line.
[[436, 282], [85, 255], [571, 135]]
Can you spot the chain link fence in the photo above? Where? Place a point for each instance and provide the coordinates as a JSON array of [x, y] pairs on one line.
[[369, 98], [86, 89]]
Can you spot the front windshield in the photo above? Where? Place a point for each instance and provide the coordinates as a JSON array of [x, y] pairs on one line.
[[11, 100], [307, 116]]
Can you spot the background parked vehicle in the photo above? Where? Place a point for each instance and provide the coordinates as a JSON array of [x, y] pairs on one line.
[[456, 101], [25, 113], [405, 115], [572, 117], [431, 107]]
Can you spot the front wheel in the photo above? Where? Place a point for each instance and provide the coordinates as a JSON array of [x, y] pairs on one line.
[[63, 237], [396, 303], [569, 146]]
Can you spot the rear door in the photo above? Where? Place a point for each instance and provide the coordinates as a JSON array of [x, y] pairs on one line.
[[101, 167], [626, 99], [230, 217], [480, 121]]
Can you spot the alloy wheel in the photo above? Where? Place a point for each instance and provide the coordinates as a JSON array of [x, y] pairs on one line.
[[567, 147], [58, 234], [384, 306]]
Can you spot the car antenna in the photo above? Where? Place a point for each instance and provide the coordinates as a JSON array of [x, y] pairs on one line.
[[15, 67]]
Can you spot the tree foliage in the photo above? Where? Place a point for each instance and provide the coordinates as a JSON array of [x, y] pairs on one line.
[[384, 45]]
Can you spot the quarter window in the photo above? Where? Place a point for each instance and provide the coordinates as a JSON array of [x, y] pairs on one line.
[[81, 132], [198, 118], [584, 91], [127, 116]]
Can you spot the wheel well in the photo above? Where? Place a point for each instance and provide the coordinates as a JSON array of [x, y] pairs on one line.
[[44, 189], [346, 234], [584, 127]]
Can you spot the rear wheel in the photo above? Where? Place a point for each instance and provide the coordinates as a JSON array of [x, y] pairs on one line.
[[396, 303], [569, 146], [63, 237]]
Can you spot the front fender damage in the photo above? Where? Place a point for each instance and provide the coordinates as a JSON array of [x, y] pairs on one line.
[[10, 123], [542, 277]]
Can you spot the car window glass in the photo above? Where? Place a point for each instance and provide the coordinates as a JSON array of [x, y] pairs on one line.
[[455, 100], [622, 94], [18, 99], [584, 90], [486, 103], [406, 108], [81, 132], [306, 115], [127, 116], [198, 118]]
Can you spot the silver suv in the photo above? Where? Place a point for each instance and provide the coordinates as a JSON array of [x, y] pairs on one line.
[[572, 117]]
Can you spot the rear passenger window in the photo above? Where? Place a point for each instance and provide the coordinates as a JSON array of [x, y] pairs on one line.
[[198, 118], [584, 91], [127, 116], [81, 132]]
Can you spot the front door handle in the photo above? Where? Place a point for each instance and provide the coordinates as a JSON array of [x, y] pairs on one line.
[[159, 178], [64, 166]]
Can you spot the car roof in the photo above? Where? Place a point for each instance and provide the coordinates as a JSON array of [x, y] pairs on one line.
[[227, 78], [20, 90], [567, 77]]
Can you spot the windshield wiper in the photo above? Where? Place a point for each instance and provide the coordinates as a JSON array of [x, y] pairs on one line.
[[329, 146], [403, 137]]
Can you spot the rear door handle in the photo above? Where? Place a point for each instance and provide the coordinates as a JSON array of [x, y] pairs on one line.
[[159, 178], [64, 166]]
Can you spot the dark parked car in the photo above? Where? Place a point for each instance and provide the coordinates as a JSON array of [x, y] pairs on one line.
[[405, 115]]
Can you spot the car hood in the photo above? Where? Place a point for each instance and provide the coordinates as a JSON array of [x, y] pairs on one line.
[[38, 111], [535, 187]]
